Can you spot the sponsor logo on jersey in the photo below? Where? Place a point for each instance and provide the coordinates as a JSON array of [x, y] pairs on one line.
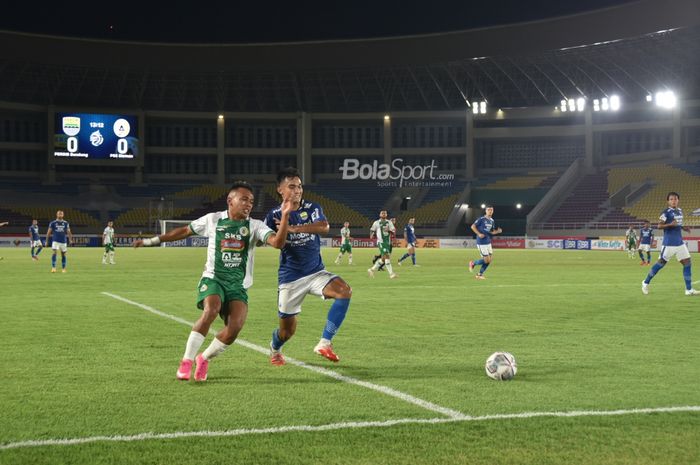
[[304, 216], [232, 245]]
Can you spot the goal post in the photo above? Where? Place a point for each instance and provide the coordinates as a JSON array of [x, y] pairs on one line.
[[169, 225]]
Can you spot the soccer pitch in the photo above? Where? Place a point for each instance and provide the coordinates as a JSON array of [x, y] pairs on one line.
[[606, 375]]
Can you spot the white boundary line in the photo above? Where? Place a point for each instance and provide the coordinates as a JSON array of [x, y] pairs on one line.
[[339, 426], [322, 371]]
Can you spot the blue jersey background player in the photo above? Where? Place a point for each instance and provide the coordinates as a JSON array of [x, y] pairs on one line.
[[671, 221], [59, 231], [301, 269], [484, 228], [646, 238], [35, 240], [409, 235]]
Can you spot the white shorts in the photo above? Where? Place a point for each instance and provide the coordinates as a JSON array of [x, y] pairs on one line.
[[35, 243], [291, 295], [411, 245], [62, 246], [485, 249], [680, 251], [645, 247]]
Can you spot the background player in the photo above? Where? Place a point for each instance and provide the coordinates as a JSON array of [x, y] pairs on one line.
[[108, 243], [35, 240], [409, 235], [59, 229], [346, 243], [671, 221], [301, 270], [631, 241], [228, 272], [646, 238], [382, 229], [484, 228]]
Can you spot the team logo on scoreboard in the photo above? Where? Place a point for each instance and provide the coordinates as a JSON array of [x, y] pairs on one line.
[[96, 138], [122, 128], [71, 125]]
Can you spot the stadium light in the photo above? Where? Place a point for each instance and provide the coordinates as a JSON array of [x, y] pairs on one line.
[[650, 97], [604, 104], [614, 102], [596, 104], [483, 205], [665, 99], [221, 116], [518, 206], [475, 108], [387, 117], [572, 104], [482, 108], [580, 104], [563, 106]]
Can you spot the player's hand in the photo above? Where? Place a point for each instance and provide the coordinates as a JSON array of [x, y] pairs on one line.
[[137, 243], [481, 236], [287, 206]]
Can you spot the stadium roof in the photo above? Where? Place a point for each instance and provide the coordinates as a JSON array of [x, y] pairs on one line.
[[629, 50]]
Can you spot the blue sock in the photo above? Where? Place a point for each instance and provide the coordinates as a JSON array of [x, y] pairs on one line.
[[641, 255], [686, 277], [483, 268], [649, 257], [39, 251], [53, 261], [33, 251], [654, 269], [479, 262], [277, 343], [413, 258], [63, 261], [336, 315], [405, 256]]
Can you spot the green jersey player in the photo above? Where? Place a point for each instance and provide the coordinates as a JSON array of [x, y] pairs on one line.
[[383, 230], [345, 243], [228, 272], [108, 243]]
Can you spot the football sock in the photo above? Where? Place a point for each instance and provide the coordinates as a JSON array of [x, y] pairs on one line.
[[277, 343], [654, 269], [649, 257], [336, 315], [375, 258], [479, 262], [413, 258], [32, 251], [215, 348], [111, 256], [63, 261], [687, 277], [38, 250], [405, 256], [339, 257], [389, 268], [641, 255], [104, 257], [350, 259], [376, 265], [483, 267], [194, 342], [53, 261]]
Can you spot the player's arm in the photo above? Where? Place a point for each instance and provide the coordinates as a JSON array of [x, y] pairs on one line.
[[48, 235], [70, 235], [496, 231], [279, 239], [4, 223], [317, 227], [173, 235], [477, 232]]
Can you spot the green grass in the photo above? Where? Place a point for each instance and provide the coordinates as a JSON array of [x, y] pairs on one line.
[[81, 364]]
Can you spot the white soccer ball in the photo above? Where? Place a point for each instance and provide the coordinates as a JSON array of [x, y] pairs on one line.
[[501, 366]]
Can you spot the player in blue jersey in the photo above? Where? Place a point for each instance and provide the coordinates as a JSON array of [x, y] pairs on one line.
[[646, 238], [671, 221], [409, 235], [301, 269], [484, 228], [35, 240], [59, 231]]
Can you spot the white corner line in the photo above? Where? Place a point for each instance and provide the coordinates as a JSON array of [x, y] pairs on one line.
[[454, 414], [342, 425]]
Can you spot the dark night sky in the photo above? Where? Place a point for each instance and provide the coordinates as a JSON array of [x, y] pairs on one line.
[[236, 21]]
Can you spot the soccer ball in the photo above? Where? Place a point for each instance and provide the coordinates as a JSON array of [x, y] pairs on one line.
[[501, 366]]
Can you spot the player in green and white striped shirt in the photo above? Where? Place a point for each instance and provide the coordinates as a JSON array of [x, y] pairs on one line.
[[228, 272], [346, 243], [108, 243]]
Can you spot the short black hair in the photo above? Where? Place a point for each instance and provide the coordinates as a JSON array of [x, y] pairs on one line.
[[288, 172], [241, 184], [488, 205], [668, 196]]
